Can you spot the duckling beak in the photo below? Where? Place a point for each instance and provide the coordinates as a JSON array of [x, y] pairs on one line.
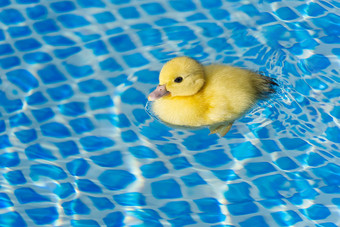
[[159, 92]]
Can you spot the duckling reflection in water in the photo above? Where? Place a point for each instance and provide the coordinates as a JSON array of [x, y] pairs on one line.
[[190, 94]]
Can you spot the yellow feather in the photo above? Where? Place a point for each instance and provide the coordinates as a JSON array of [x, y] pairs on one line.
[[213, 95]]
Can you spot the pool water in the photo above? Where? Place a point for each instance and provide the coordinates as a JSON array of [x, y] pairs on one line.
[[78, 148]]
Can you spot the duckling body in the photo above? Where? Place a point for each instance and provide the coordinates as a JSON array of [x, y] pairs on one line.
[[213, 95]]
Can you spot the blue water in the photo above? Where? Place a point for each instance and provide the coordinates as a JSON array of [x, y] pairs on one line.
[[78, 148]]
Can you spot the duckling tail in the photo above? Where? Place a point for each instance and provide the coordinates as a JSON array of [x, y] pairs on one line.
[[265, 86]]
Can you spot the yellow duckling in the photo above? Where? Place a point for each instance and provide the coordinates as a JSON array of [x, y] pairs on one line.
[[190, 94]]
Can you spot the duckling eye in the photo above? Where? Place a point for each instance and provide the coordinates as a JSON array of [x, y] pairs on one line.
[[178, 79]]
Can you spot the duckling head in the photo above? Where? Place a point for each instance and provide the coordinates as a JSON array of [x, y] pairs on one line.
[[181, 76]]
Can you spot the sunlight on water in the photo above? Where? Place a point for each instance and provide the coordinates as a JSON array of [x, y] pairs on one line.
[[80, 146]]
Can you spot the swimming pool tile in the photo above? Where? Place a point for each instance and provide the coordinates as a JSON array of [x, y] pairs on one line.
[[5, 3], [6, 49], [153, 8], [148, 216], [75, 207], [180, 33], [19, 119], [91, 85], [23, 79], [182, 220], [72, 109], [82, 125], [130, 199], [58, 40], [110, 64], [212, 158], [78, 167], [78, 71], [55, 129], [63, 190], [15, 177], [286, 13], [254, 221], [219, 44], [86, 185], [242, 208], [66, 52], [316, 212], [225, 175], [135, 60], [111, 159], [193, 179], [36, 99], [36, 151], [82, 222], [100, 102], [133, 96], [46, 26], [62, 6], [89, 3], [26, 136], [98, 47], [180, 163], [129, 136], [28, 195], [129, 12], [166, 189], [286, 218], [104, 17], [19, 31], [2, 126], [43, 114], [258, 168], [286, 163], [43, 216], [142, 152], [154, 169], [269, 186], [116, 179], [242, 190], [199, 142], [8, 104], [294, 144], [210, 29], [47, 170], [8, 159], [196, 17], [27, 1], [244, 151], [219, 14], [60, 92], [95, 143], [37, 57], [102, 203], [150, 36], [166, 22], [37, 12], [182, 6], [27, 44], [176, 208], [72, 21], [311, 159], [11, 16], [51, 74], [115, 217], [2, 35]]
